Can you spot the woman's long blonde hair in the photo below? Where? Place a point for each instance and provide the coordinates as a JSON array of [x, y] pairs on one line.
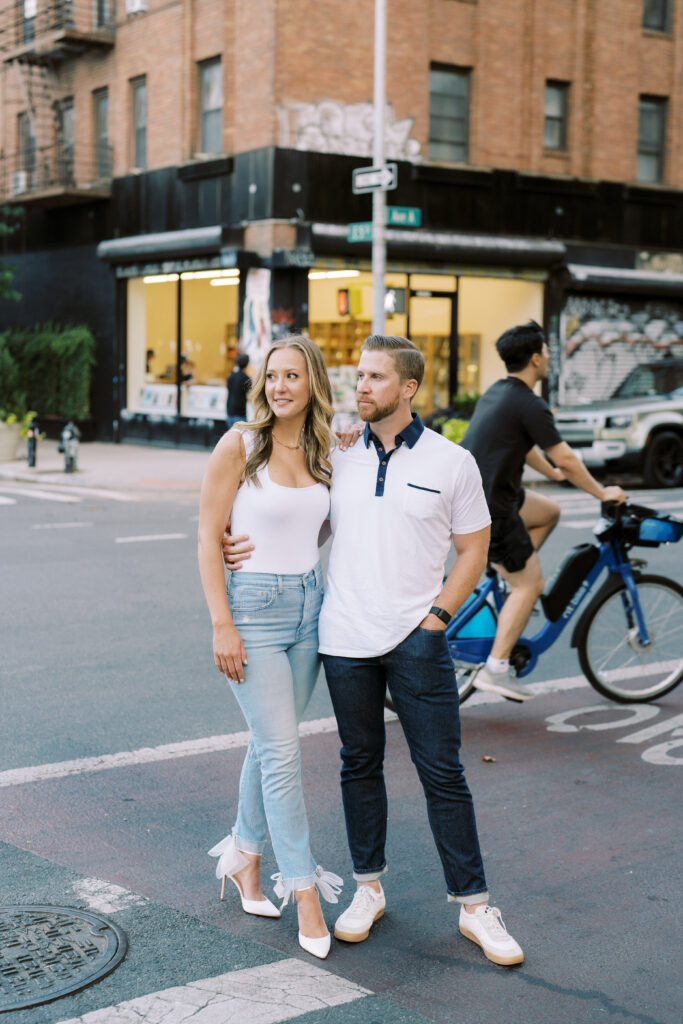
[[317, 437]]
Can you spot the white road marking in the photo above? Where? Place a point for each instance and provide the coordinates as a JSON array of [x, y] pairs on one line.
[[151, 536], [105, 897], [215, 744], [35, 492], [7, 501], [59, 526], [97, 492], [266, 994], [651, 731]]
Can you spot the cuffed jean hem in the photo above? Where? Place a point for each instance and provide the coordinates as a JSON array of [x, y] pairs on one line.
[[469, 899], [369, 876], [248, 845], [306, 882]]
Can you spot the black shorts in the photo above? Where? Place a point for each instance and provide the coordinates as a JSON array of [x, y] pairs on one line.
[[510, 544]]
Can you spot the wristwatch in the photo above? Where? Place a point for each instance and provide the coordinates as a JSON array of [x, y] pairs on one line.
[[440, 613]]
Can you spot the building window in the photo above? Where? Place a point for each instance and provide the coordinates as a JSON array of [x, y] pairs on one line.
[[138, 87], [65, 141], [449, 113], [102, 16], [211, 106], [556, 115], [29, 11], [657, 15], [101, 117], [651, 136], [27, 151]]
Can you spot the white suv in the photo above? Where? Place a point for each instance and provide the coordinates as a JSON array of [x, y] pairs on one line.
[[639, 429]]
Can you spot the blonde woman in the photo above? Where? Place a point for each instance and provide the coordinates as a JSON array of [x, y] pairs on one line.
[[271, 477]]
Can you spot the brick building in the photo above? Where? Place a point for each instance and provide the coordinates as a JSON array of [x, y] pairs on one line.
[[184, 170]]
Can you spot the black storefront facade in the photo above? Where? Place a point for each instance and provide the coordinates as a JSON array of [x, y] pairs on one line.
[[173, 271]]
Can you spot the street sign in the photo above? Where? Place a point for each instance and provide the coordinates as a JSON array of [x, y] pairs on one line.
[[405, 216], [360, 231], [374, 179]]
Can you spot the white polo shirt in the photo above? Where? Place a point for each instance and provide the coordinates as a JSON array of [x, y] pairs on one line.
[[393, 515]]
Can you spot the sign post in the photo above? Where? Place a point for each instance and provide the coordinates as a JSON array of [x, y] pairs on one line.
[[379, 198]]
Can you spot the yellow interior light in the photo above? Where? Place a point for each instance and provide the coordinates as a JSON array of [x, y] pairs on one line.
[[319, 275]]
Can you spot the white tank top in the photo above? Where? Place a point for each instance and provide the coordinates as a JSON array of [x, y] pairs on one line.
[[283, 523]]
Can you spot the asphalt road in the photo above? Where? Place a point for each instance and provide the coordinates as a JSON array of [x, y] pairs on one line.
[[106, 651]]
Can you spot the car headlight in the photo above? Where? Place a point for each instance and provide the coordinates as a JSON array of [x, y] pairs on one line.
[[621, 420]]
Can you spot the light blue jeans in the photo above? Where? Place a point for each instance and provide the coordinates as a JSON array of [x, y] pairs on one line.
[[277, 617]]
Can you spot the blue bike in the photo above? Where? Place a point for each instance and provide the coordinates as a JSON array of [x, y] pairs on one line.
[[629, 637]]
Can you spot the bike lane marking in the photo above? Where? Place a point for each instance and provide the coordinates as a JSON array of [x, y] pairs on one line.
[[660, 754], [215, 744]]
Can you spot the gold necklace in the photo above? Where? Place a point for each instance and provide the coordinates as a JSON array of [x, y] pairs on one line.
[[292, 447]]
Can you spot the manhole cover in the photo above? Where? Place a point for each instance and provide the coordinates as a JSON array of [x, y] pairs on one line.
[[49, 952]]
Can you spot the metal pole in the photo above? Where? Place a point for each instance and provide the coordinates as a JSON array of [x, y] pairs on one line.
[[379, 198]]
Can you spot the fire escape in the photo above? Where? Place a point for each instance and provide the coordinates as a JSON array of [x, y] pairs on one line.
[[43, 160]]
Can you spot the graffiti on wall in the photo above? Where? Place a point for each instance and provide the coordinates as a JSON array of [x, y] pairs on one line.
[[330, 127], [602, 339]]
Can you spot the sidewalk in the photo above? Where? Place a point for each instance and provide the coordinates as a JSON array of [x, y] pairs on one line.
[[138, 467], [123, 466]]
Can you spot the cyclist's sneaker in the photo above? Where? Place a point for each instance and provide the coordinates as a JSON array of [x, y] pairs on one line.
[[502, 683], [485, 927], [366, 907]]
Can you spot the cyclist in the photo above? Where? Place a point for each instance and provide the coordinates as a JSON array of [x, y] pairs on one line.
[[509, 426]]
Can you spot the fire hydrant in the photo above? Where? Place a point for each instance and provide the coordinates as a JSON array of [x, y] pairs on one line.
[[32, 435], [71, 435]]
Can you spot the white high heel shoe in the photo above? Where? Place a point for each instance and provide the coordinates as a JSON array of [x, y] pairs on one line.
[[317, 947], [329, 886], [230, 861]]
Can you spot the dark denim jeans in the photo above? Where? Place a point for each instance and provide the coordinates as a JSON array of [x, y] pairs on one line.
[[419, 674]]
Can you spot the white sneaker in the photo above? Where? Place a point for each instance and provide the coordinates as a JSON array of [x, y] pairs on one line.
[[485, 927], [502, 683], [367, 906]]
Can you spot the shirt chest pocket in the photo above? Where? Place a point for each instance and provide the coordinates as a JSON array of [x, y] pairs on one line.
[[422, 501]]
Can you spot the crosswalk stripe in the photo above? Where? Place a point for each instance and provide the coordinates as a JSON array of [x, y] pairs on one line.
[[279, 991], [35, 492]]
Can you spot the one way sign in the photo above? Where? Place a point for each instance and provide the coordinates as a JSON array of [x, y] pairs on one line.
[[374, 179]]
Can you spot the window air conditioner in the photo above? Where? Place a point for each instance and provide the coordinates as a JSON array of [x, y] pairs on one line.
[[136, 6], [17, 183]]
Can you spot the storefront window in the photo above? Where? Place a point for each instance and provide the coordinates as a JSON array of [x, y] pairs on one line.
[[207, 342], [340, 318], [430, 309]]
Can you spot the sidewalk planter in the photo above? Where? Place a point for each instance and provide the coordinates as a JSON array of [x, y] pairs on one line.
[[9, 440]]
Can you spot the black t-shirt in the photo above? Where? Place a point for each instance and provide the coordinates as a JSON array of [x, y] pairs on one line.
[[238, 384], [509, 419]]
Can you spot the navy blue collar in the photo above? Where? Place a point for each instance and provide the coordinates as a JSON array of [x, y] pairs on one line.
[[409, 435]]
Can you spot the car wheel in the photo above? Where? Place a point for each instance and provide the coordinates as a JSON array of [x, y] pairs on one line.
[[664, 460]]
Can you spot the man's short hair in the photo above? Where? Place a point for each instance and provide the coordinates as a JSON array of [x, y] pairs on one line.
[[409, 360], [517, 345], [242, 360]]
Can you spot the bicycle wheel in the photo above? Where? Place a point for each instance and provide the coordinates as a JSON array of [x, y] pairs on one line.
[[464, 671], [611, 654]]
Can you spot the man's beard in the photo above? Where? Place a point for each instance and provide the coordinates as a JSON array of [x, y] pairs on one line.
[[378, 412]]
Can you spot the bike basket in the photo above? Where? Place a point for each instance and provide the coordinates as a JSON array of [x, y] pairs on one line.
[[482, 623], [659, 530]]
